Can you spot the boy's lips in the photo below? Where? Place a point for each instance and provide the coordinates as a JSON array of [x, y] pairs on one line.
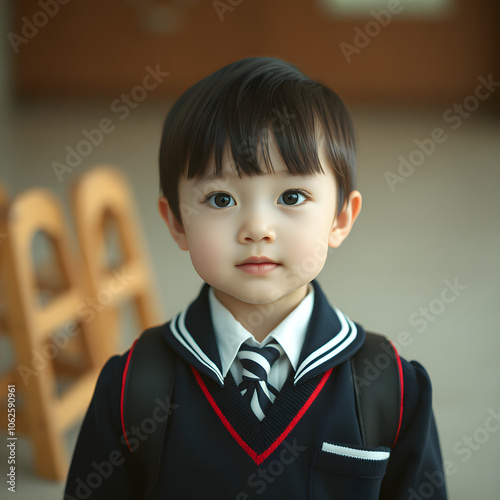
[[257, 260], [257, 265]]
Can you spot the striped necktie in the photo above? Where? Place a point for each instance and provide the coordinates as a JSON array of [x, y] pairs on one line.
[[255, 388]]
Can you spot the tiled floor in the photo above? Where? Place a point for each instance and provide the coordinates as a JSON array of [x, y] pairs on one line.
[[439, 225]]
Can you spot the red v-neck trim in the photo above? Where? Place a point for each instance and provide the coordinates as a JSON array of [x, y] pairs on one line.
[[259, 458]]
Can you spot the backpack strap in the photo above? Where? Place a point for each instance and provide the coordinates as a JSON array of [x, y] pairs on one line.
[[147, 386], [378, 384]]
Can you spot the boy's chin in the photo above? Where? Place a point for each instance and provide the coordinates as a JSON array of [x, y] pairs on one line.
[[260, 294], [247, 297]]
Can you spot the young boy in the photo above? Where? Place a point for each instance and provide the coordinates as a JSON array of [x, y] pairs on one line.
[[257, 167]]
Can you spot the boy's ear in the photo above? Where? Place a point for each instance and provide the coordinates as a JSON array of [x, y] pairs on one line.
[[175, 227], [345, 220]]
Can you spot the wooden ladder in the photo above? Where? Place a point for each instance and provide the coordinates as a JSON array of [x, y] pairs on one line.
[[49, 337], [101, 198]]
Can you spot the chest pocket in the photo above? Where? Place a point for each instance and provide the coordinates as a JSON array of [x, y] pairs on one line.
[[343, 472]]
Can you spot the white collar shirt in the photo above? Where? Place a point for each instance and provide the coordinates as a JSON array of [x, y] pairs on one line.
[[290, 334]]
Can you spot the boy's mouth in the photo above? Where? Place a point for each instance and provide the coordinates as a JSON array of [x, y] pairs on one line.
[[257, 265], [257, 260]]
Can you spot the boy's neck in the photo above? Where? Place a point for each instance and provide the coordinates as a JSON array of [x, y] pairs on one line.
[[270, 315]]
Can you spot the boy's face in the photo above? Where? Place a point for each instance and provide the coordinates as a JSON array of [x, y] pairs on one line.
[[286, 221]]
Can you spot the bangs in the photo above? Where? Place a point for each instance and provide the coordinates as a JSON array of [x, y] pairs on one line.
[[244, 126]]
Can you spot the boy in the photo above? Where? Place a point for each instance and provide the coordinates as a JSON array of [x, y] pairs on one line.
[[257, 168]]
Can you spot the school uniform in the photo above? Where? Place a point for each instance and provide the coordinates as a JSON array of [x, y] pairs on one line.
[[307, 446]]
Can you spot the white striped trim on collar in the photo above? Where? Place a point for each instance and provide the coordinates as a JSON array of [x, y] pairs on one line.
[[345, 337], [342, 340], [185, 338]]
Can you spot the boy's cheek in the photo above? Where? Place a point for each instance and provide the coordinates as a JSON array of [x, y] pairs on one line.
[[310, 253], [190, 209], [204, 255]]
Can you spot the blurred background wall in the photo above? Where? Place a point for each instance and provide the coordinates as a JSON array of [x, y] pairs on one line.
[[420, 79], [407, 52]]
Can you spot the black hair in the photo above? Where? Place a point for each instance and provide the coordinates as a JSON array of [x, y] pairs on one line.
[[239, 105]]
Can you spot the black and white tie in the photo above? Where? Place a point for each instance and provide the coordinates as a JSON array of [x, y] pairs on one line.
[[257, 363]]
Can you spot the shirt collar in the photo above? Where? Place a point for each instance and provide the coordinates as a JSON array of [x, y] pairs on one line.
[[331, 338], [230, 334]]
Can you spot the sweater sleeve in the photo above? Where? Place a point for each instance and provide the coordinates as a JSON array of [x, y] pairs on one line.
[[102, 466], [415, 469]]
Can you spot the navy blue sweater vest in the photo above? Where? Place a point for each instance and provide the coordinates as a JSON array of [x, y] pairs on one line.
[[218, 449]]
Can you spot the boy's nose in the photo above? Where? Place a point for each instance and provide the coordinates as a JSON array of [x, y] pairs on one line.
[[256, 228]]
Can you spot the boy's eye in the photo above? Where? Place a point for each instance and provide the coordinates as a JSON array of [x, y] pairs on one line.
[[220, 200], [292, 197]]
